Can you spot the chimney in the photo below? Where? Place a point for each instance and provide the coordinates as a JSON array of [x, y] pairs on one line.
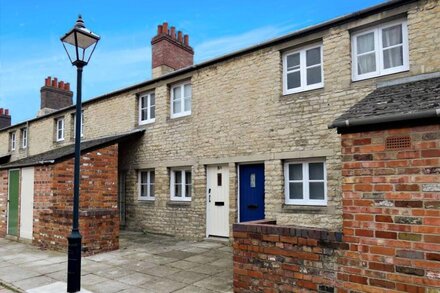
[[170, 52], [54, 95], [5, 118]]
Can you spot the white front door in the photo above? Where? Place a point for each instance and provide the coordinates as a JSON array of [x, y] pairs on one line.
[[217, 217], [27, 203]]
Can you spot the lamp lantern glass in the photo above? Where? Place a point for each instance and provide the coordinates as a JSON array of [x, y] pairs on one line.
[[80, 43]]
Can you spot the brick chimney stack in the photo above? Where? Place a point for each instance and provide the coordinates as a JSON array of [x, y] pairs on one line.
[[5, 118], [170, 51], [54, 95]]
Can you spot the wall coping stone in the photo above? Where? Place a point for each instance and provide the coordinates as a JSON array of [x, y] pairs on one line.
[[271, 227]]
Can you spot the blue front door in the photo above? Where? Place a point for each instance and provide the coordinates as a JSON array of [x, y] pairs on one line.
[[251, 192]]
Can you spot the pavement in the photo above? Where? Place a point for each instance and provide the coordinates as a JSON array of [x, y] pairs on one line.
[[144, 263]]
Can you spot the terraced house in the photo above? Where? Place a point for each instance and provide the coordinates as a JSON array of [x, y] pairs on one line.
[[201, 146]]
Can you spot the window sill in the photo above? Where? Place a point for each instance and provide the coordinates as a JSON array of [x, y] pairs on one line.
[[146, 200], [305, 209], [146, 122], [176, 116], [304, 92], [175, 203], [376, 76]]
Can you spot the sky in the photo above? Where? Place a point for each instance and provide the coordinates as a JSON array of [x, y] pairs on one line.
[[30, 31]]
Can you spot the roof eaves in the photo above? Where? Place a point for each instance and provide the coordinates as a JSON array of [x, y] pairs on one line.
[[384, 119]]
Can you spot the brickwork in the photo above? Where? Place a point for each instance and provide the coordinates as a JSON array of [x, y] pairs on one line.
[[99, 216], [170, 51], [271, 258], [55, 95], [3, 201], [391, 211]]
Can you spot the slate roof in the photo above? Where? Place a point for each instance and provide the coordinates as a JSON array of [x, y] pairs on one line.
[[410, 100], [53, 156]]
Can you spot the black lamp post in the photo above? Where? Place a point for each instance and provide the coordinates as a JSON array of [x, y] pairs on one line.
[[79, 43]]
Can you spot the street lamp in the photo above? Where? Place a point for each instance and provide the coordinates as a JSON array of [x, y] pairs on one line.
[[79, 43]]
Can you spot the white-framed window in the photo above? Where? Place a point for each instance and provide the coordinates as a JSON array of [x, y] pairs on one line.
[[380, 50], [59, 129], [82, 124], [181, 95], [147, 108], [181, 184], [12, 141], [303, 69], [146, 184], [305, 182], [24, 138]]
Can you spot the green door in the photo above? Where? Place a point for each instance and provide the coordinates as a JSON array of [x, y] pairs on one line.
[[14, 182]]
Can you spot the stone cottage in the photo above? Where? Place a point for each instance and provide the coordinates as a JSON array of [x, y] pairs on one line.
[[237, 138]]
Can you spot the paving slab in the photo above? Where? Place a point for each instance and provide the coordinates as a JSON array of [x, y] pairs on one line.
[[215, 284], [34, 282], [56, 287], [109, 286], [144, 263]]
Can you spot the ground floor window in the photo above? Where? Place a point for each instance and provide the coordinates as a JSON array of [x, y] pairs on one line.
[[305, 182], [146, 185], [181, 184]]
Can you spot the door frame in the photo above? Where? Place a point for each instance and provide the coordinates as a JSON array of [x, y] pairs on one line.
[[18, 199], [207, 195], [238, 183]]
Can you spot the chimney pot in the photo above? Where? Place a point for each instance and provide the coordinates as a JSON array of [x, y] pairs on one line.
[[55, 96], [47, 81], [5, 119], [165, 28], [170, 51], [159, 29]]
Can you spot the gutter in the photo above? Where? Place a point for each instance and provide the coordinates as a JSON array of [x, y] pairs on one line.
[[433, 113]]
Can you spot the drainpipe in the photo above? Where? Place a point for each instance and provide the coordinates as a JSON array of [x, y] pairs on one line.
[[28, 136], [433, 113]]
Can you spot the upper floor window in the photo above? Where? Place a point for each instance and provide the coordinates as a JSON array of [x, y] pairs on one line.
[[24, 138], [82, 124], [146, 184], [306, 183], [181, 100], [303, 70], [12, 141], [380, 50], [60, 129], [181, 184], [147, 108]]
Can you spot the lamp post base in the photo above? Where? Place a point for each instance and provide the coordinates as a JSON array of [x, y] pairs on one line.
[[74, 262]]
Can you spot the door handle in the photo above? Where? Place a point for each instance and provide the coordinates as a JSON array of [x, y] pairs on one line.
[[209, 195]]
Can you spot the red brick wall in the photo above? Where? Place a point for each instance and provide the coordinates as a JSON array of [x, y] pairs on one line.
[[3, 201], [168, 51], [271, 258], [391, 204], [53, 200]]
